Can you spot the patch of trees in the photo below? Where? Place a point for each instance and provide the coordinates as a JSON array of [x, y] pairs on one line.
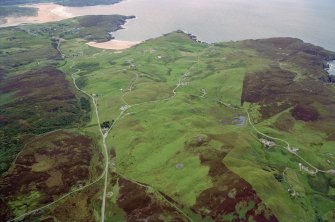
[[10, 145], [85, 104], [81, 81], [107, 124], [36, 112], [320, 183], [13, 133], [278, 177], [112, 62], [2, 74], [54, 43]]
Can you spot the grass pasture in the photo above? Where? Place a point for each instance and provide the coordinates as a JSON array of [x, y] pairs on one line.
[[181, 143]]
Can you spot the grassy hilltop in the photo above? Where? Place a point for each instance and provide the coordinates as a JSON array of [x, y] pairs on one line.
[[187, 123]]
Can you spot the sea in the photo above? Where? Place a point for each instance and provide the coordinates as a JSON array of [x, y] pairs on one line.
[[224, 20]]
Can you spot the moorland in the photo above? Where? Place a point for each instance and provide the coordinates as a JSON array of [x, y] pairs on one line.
[[172, 129]]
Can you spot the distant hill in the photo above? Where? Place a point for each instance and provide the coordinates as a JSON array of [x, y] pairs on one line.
[[17, 11], [10, 8], [73, 3], [172, 129]]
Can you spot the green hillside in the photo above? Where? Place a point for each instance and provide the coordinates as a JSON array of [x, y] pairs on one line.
[[172, 129]]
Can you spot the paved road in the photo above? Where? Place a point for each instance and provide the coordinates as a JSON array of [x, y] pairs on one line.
[[104, 136]]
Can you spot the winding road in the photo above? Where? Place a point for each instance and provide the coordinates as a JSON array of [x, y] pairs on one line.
[[104, 135], [105, 148], [287, 148]]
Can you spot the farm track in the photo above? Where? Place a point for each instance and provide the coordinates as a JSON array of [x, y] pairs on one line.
[[104, 174], [287, 148], [122, 114], [105, 135]]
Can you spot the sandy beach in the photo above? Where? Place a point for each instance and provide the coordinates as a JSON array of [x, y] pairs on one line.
[[114, 44], [49, 12], [46, 13]]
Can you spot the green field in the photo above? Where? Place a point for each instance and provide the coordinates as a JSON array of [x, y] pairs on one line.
[[181, 147]]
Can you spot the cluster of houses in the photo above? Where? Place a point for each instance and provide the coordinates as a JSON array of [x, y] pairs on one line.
[[124, 107], [306, 169], [293, 150], [292, 192], [267, 143]]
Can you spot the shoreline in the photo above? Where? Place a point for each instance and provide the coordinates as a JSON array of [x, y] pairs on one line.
[[51, 12], [113, 43], [331, 69], [46, 12], [117, 45]]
